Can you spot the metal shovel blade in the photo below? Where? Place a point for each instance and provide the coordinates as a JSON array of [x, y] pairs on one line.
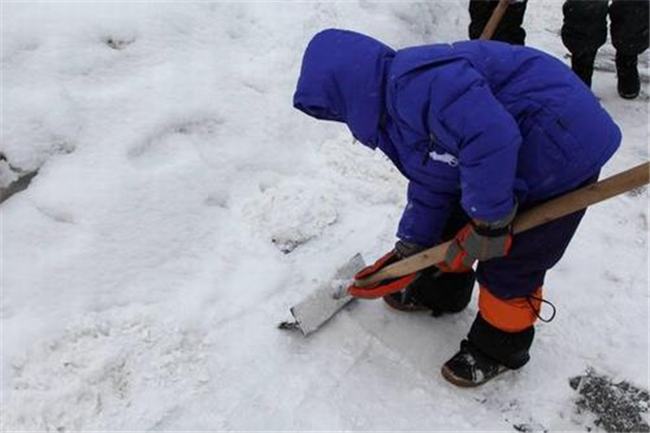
[[317, 308]]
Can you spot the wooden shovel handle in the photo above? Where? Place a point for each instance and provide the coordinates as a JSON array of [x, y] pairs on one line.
[[495, 19], [546, 212]]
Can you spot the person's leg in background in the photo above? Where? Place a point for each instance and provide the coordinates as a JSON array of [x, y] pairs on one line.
[[629, 29], [510, 28], [584, 30]]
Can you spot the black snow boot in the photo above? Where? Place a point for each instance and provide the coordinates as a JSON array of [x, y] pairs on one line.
[[486, 353], [435, 291], [628, 76], [583, 66], [469, 367]]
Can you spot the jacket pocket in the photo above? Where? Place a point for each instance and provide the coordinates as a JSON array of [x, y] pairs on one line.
[[548, 138], [546, 155], [559, 134]]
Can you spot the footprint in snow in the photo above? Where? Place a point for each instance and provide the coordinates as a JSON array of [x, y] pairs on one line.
[[174, 143]]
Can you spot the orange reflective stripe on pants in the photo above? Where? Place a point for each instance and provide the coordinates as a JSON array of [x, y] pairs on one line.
[[509, 315]]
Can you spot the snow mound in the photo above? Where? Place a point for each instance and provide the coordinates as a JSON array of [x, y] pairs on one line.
[[291, 213], [120, 364]]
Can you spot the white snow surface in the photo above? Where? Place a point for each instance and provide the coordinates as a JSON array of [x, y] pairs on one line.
[[144, 269]]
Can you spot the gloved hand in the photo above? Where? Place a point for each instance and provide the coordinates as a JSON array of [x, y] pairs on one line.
[[402, 250], [479, 241]]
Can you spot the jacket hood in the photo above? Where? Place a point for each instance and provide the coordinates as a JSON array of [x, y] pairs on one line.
[[342, 79]]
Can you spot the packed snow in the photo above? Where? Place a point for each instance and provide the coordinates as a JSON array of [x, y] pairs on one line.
[[181, 206]]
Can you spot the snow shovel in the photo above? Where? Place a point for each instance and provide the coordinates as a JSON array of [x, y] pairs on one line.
[[317, 308], [311, 313]]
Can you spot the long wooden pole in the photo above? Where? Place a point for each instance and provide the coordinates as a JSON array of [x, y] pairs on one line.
[[546, 212], [492, 24]]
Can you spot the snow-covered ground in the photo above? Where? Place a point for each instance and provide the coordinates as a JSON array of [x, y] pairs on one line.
[[182, 206]]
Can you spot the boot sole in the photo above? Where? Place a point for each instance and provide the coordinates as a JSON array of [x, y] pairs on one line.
[[629, 95], [450, 377]]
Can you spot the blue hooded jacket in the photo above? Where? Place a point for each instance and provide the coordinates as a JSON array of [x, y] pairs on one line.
[[482, 122]]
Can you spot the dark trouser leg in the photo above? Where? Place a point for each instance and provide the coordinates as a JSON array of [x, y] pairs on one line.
[[584, 31], [629, 26], [510, 28], [629, 30], [440, 293]]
